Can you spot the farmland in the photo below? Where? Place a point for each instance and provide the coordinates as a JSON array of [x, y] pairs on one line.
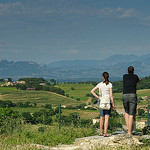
[[75, 95]]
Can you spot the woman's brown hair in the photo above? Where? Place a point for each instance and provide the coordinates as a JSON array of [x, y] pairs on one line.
[[106, 76]]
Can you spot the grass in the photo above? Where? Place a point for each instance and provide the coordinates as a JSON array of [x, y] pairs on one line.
[[45, 97], [84, 114], [80, 90], [44, 135], [51, 135], [39, 97]]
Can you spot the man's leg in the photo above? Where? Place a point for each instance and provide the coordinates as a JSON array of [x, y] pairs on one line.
[[130, 123], [127, 120], [106, 123], [101, 124]]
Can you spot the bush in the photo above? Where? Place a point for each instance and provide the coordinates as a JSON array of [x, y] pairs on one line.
[[42, 116], [146, 130], [94, 100], [7, 103], [141, 112], [78, 99], [72, 88], [9, 120], [88, 95]]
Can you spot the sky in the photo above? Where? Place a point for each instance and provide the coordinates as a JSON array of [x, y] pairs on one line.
[[45, 31]]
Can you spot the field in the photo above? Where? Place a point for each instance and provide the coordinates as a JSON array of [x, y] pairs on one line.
[[74, 91], [39, 97], [79, 90], [42, 134]]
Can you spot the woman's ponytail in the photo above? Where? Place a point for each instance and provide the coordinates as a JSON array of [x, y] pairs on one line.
[[106, 76]]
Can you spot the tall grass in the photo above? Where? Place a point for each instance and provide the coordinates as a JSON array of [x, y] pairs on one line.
[[27, 134]]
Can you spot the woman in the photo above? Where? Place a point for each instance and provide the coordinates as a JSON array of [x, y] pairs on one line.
[[105, 89]]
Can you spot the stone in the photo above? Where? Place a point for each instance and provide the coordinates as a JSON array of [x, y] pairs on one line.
[[93, 142]]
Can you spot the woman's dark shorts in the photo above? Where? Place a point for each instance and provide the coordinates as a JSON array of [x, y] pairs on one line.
[[104, 112], [130, 103]]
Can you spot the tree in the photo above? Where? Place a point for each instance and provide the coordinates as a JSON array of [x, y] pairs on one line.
[[53, 81], [9, 79], [1, 80]]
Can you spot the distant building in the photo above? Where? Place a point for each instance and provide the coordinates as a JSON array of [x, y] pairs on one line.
[[43, 84], [7, 84], [20, 82], [95, 121]]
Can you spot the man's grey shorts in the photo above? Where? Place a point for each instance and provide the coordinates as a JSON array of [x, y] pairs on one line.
[[130, 103]]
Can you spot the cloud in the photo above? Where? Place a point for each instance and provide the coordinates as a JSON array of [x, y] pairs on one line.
[[127, 13], [8, 8], [64, 8]]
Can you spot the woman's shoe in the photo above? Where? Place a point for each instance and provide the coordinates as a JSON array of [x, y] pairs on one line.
[[106, 135], [100, 134]]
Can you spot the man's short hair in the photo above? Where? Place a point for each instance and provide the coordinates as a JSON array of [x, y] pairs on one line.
[[130, 69]]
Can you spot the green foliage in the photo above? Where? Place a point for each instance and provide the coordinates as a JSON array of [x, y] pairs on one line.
[[117, 86], [89, 95], [53, 81], [34, 80], [81, 106], [44, 135], [42, 116], [9, 79], [9, 120], [72, 88], [7, 103], [114, 121], [91, 108], [78, 99], [48, 106], [2, 80], [41, 129], [94, 100], [144, 83], [146, 130], [35, 83], [141, 112]]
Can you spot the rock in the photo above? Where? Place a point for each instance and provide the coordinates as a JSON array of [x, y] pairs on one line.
[[147, 137], [93, 142]]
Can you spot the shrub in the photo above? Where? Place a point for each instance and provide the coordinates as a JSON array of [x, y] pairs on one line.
[[9, 120], [94, 100], [72, 88], [141, 112]]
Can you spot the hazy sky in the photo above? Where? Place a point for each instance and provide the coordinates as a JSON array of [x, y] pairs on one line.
[[50, 30]]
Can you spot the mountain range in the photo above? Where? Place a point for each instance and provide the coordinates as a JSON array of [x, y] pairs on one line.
[[77, 70]]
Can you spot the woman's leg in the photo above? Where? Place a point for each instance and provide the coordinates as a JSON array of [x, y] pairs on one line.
[[101, 124], [106, 124]]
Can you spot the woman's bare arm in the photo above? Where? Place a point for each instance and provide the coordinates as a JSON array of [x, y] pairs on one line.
[[93, 92]]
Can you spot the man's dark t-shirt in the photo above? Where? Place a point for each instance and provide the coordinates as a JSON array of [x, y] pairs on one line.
[[129, 83]]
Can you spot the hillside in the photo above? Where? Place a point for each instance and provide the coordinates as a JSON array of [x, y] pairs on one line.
[[77, 70], [38, 97]]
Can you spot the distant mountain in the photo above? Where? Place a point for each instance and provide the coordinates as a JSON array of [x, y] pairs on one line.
[[77, 70], [19, 69], [116, 65]]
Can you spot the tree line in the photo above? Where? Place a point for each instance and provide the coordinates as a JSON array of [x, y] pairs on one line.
[[36, 84]]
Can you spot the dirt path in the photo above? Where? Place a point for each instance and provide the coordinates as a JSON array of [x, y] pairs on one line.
[[89, 100]]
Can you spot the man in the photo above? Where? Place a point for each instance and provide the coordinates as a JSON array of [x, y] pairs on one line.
[[130, 81]]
